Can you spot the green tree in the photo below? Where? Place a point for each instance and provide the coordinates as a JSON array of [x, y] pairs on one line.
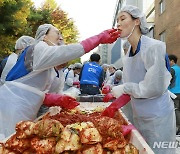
[[60, 19], [12, 22], [67, 28], [39, 16], [49, 12], [20, 17], [65, 25], [49, 4], [36, 18]]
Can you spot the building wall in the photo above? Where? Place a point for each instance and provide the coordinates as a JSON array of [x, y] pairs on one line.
[[138, 3], [103, 51], [169, 22]]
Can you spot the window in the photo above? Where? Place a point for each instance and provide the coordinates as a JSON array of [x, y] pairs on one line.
[[163, 36], [162, 6]]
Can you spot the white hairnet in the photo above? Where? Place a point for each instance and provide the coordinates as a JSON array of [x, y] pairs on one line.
[[113, 66], [71, 66], [77, 66], [118, 73], [105, 65], [23, 42], [41, 31], [136, 13]]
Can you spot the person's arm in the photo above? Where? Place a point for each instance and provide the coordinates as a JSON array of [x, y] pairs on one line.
[[46, 56], [172, 82], [157, 77], [2, 64], [1, 67]]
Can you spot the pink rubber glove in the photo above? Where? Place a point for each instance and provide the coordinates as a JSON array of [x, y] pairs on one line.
[[126, 129], [107, 36], [108, 97], [76, 83], [115, 105], [78, 86], [106, 89], [63, 101]]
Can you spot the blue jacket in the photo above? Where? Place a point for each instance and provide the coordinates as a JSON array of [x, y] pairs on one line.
[[91, 73], [176, 88]]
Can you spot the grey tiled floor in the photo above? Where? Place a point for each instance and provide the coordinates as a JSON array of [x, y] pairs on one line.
[[178, 149]]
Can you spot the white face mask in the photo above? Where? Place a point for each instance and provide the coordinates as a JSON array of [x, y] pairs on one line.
[[125, 38]]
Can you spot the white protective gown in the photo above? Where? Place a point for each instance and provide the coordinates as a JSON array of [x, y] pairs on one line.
[[56, 87], [69, 80], [111, 81], [146, 79], [22, 98], [58, 83]]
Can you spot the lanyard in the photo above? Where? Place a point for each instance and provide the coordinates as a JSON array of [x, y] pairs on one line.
[[131, 54]]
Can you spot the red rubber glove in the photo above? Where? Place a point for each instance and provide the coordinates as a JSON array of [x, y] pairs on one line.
[[76, 83], [126, 129], [63, 101], [108, 97], [78, 86], [115, 105], [107, 36], [103, 84], [106, 89]]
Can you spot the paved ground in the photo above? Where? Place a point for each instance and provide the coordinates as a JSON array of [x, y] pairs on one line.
[[178, 149]]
